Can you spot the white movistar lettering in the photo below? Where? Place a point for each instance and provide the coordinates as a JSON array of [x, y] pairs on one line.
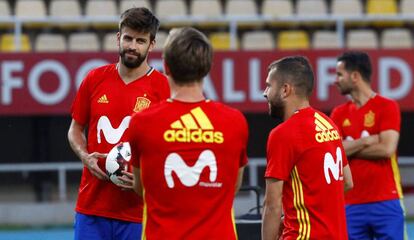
[[189, 176], [112, 135], [364, 133], [335, 167]]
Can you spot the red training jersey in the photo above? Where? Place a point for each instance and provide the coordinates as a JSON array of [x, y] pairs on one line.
[[189, 155], [104, 103], [306, 152], [374, 180]]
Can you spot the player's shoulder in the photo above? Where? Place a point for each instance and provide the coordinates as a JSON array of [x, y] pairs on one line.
[[300, 122], [225, 110], [384, 100], [104, 69], [317, 112], [343, 106], [97, 74], [157, 74], [280, 133], [158, 79]]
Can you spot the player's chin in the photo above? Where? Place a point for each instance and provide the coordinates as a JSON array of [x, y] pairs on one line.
[[132, 64]]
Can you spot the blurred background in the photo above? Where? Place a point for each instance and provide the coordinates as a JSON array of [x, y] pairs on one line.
[[47, 47]]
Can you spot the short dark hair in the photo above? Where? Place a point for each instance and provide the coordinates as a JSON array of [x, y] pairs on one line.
[[297, 71], [357, 61], [188, 55], [141, 20]]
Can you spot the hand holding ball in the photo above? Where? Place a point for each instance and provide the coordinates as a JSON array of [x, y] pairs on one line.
[[117, 161]]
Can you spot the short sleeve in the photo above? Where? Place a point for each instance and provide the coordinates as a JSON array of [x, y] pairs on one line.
[[244, 136], [344, 157], [161, 86], [390, 116], [335, 116], [133, 139], [81, 105], [280, 156], [164, 89]]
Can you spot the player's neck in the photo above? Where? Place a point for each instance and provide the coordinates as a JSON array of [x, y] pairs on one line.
[[362, 95], [293, 107], [187, 93], [131, 74]]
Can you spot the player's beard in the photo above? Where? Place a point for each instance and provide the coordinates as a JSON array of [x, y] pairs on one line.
[[277, 108], [345, 87], [132, 63]]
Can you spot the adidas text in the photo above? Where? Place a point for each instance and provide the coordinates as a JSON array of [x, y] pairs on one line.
[[327, 135], [197, 136]]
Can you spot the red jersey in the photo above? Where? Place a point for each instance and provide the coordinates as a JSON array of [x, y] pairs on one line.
[[306, 152], [104, 104], [374, 180], [189, 155]]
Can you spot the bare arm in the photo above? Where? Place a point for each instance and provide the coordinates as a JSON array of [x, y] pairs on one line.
[[137, 181], [385, 148], [272, 209], [239, 179], [353, 146], [348, 183], [77, 141]]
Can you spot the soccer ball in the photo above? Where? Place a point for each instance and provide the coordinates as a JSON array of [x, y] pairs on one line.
[[117, 161]]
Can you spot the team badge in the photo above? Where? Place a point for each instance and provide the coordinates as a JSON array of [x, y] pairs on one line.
[[141, 104], [346, 123], [369, 119]]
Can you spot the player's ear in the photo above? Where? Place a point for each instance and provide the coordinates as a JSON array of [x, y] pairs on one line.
[[287, 90], [355, 75], [152, 45], [118, 39]]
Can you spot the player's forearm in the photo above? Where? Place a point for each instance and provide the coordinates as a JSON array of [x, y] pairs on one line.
[[271, 222], [376, 151], [78, 143], [348, 182], [352, 147]]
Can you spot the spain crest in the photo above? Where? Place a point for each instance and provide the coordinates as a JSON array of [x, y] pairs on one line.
[[369, 119], [141, 104]]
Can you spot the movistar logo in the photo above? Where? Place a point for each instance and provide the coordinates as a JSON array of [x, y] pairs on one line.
[[325, 131], [193, 127], [189, 176], [112, 135], [332, 166]]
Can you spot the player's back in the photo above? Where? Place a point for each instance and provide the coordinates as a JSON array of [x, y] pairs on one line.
[[190, 154], [313, 196]]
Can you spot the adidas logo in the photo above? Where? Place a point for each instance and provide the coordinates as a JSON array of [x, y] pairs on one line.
[[193, 127], [346, 123], [325, 131], [103, 99]]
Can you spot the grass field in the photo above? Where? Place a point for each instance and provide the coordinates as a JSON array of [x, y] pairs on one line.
[[67, 233]]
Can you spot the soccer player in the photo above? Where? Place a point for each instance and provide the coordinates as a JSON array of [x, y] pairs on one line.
[[105, 100], [369, 125], [306, 163], [189, 152]]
